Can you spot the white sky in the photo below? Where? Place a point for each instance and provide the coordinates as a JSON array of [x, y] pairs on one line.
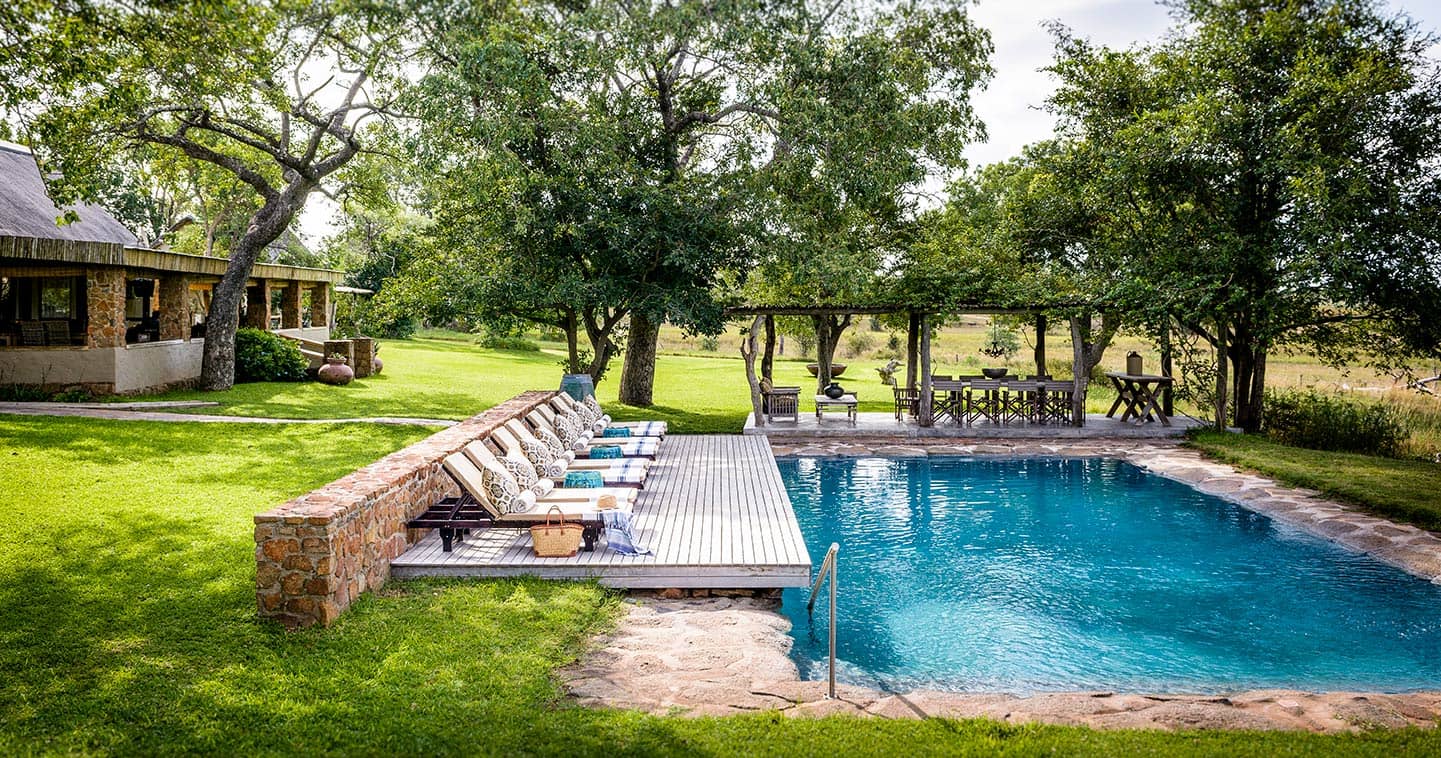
[[1011, 105]]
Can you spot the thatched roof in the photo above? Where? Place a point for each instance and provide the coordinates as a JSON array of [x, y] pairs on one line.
[[26, 211]]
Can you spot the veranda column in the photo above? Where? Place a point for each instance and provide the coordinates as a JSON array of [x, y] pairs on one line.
[[926, 418], [290, 305], [257, 305], [105, 307], [174, 307], [320, 305]]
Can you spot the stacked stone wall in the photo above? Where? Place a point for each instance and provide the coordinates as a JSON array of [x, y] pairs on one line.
[[105, 307], [317, 553]]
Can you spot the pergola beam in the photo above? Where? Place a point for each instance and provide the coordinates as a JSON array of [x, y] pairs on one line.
[[879, 310]]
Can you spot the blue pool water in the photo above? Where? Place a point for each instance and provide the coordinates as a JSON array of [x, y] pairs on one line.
[[1047, 574]]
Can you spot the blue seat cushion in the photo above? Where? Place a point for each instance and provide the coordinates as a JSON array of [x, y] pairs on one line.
[[578, 479]]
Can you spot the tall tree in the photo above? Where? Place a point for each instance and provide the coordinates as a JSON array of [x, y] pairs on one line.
[[560, 184], [869, 105], [1276, 166], [273, 92]]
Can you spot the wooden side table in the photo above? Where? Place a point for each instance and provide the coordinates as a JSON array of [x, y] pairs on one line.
[[1140, 394], [846, 402]]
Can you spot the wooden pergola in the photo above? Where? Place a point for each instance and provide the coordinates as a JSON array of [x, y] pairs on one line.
[[918, 333]]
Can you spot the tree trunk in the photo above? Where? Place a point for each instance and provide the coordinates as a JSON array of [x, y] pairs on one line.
[[1087, 350], [217, 362], [1221, 384], [828, 337], [768, 359], [748, 352], [572, 342], [1249, 396], [823, 354], [637, 376]]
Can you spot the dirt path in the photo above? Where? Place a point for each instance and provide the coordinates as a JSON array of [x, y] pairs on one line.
[[151, 412]]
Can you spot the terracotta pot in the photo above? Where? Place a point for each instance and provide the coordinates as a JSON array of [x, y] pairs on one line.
[[335, 372], [836, 369]]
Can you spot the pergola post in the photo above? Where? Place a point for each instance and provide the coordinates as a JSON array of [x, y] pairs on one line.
[[290, 306], [768, 358], [1040, 344], [1167, 394], [913, 333], [925, 402]]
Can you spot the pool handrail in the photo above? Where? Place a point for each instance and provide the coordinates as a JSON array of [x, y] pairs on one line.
[[828, 566]]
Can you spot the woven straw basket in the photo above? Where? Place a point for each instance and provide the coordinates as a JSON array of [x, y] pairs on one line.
[[558, 539]]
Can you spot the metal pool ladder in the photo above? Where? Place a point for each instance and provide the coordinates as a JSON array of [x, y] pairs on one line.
[[828, 566]]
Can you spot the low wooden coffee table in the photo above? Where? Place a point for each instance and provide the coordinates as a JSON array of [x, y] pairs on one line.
[[846, 402]]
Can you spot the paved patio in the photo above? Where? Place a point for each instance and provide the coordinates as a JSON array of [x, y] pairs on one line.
[[885, 425]]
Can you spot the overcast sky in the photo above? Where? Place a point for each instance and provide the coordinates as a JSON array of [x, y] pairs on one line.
[[1010, 106]]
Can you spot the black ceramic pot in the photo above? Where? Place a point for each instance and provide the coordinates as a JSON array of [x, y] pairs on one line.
[[833, 391]]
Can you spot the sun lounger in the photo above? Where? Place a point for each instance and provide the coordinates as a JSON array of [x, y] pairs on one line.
[[542, 488], [476, 509], [516, 439], [591, 409], [583, 443]]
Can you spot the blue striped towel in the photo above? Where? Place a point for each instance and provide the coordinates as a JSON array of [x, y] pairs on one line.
[[618, 534]]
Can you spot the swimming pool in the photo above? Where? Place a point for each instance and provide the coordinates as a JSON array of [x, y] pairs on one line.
[[1032, 574]]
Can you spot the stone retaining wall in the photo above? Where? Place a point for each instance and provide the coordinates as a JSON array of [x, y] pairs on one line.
[[317, 553]]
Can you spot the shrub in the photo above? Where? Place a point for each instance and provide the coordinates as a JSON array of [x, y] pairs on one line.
[[503, 342], [893, 342], [1331, 422], [859, 344], [264, 357], [709, 343], [21, 393], [76, 395]]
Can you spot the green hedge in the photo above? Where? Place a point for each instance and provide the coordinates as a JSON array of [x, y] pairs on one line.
[[264, 357], [1332, 422]]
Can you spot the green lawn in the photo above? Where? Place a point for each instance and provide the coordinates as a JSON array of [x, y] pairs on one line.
[[127, 626], [1405, 490], [444, 375]]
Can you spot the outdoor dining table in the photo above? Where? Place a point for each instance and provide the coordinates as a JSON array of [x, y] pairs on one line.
[[1141, 394]]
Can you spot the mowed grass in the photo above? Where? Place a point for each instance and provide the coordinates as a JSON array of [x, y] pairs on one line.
[[1401, 489], [445, 375], [127, 626]]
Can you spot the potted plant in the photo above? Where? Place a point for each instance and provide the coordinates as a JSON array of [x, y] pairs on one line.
[[336, 370]]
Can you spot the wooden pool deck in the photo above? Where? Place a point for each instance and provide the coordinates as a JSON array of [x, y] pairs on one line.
[[714, 512]]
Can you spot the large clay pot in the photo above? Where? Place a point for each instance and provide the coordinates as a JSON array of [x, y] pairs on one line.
[[836, 369], [335, 372], [834, 391], [994, 373]]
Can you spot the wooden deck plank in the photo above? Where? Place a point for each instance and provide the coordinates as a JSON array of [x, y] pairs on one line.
[[714, 511]]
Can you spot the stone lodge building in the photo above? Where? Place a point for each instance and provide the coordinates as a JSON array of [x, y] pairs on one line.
[[83, 306]]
